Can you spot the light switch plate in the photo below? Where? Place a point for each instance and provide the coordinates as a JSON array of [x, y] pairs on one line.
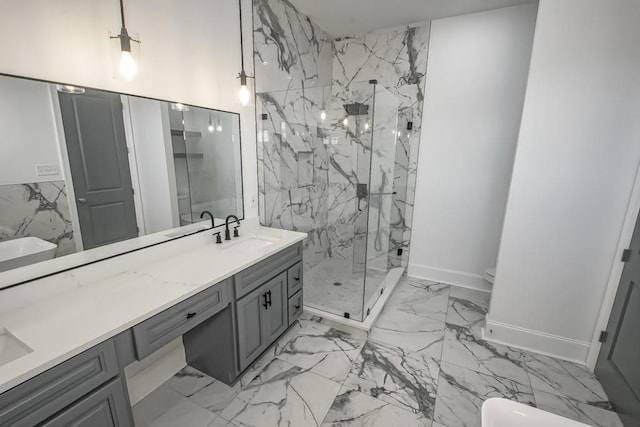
[[47, 170]]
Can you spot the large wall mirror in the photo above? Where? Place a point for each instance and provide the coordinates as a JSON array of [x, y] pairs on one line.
[[87, 174]]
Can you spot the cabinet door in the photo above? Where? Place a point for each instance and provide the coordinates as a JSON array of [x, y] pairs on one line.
[[276, 318], [37, 399], [106, 407], [295, 307], [295, 278], [251, 338]]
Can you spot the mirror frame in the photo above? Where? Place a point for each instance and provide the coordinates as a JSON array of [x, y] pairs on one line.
[[29, 278]]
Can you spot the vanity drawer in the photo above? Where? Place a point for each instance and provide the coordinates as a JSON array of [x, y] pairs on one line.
[[164, 327], [106, 407], [296, 306], [254, 276], [39, 398], [294, 279]]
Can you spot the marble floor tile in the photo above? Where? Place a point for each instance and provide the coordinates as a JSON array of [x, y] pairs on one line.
[[322, 350], [407, 380], [308, 317], [575, 410], [413, 333], [420, 297], [189, 381], [463, 348], [355, 409], [565, 379], [166, 407], [216, 396], [283, 394], [220, 422], [423, 360], [468, 308], [461, 392], [270, 354]]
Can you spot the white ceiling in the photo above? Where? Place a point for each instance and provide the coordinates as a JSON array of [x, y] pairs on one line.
[[347, 17]]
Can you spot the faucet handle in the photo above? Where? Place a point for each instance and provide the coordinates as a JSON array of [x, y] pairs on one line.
[[218, 237], [235, 231]]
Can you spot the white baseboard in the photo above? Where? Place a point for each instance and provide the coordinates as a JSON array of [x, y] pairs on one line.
[[146, 375], [537, 342], [449, 277]]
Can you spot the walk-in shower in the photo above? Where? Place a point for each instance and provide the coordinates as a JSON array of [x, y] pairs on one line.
[[326, 160]]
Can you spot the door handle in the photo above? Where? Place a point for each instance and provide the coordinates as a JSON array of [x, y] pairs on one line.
[[190, 315], [297, 306], [264, 304], [82, 200], [297, 279], [269, 300]]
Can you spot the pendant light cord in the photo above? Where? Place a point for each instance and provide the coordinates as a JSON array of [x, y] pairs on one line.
[[241, 43], [122, 13]]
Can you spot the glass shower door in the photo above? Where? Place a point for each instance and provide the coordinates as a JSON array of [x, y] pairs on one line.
[[381, 178], [326, 160], [342, 273]]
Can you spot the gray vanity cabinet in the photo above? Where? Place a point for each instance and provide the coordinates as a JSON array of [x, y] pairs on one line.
[[224, 328], [251, 339], [295, 307], [276, 319], [174, 322], [294, 276], [262, 318], [85, 390], [106, 407], [294, 291]]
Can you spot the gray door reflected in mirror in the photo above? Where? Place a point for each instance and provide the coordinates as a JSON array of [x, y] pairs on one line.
[[92, 168]]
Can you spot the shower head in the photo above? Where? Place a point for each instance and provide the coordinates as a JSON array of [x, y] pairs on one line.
[[357, 109]]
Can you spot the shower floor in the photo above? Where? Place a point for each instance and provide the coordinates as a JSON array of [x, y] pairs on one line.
[[321, 291]]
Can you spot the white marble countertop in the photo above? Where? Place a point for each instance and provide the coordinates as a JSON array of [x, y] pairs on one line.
[[140, 285]]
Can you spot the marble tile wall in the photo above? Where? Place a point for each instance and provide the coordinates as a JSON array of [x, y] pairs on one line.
[[39, 210], [293, 62], [301, 72], [397, 59]]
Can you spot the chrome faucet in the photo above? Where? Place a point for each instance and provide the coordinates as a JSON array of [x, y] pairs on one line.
[[210, 215], [227, 234]]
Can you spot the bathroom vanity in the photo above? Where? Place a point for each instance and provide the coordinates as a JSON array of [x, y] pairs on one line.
[[228, 302]]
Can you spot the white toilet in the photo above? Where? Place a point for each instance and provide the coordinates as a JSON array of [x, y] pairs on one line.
[[499, 412]]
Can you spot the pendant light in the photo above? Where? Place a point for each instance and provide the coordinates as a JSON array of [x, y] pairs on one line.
[[210, 128], [323, 112], [244, 94], [127, 67]]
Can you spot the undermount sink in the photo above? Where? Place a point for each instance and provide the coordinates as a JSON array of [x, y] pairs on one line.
[[11, 348], [24, 251], [251, 243], [499, 412]]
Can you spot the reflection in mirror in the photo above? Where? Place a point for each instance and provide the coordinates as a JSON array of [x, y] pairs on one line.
[[83, 168]]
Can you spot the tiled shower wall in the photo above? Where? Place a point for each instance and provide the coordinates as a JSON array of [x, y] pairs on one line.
[[38, 210], [298, 66], [293, 61], [397, 59]]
